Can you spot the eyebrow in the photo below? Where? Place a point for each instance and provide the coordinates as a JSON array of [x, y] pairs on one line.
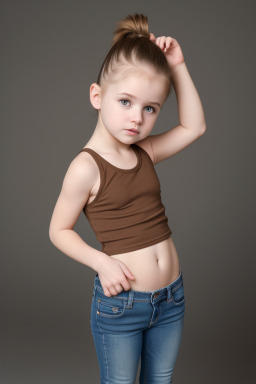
[[128, 94]]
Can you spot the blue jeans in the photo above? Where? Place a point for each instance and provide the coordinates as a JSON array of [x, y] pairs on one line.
[[134, 324]]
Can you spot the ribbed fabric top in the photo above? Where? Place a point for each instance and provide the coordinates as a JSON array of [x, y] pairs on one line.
[[127, 213]]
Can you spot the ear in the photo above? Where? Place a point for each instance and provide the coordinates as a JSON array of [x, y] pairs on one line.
[[95, 95]]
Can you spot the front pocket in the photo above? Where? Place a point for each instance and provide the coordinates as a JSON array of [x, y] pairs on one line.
[[178, 296], [111, 308]]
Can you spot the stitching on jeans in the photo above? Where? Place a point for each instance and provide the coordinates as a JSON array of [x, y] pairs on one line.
[[113, 316], [178, 287], [168, 301], [105, 353], [159, 311], [138, 301], [141, 301], [146, 362], [123, 298], [105, 356]]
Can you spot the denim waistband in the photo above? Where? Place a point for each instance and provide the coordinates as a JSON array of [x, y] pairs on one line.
[[151, 296]]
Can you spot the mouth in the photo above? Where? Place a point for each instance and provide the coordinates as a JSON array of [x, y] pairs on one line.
[[133, 130]]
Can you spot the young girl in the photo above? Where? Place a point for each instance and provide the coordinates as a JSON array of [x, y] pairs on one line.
[[138, 302]]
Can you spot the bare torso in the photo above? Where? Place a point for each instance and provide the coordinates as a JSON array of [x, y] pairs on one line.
[[153, 267]]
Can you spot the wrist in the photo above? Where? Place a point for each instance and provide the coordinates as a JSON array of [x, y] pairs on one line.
[[100, 260], [174, 70]]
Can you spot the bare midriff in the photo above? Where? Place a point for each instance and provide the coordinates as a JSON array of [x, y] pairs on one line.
[[153, 267]]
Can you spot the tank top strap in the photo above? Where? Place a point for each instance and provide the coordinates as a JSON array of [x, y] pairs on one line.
[[94, 154], [99, 163], [111, 168]]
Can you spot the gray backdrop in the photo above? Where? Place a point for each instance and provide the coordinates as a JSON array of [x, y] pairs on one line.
[[51, 52]]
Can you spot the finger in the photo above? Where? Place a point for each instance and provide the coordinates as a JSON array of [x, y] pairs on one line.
[[157, 42], [168, 42], [118, 288], [113, 291], [126, 271], [106, 292], [152, 37], [162, 42], [125, 283]]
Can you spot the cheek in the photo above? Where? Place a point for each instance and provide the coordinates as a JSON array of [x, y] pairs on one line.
[[111, 113], [151, 119], [119, 114], [150, 124], [115, 118]]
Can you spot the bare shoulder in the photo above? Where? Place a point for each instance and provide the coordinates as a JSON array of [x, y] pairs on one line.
[[146, 145], [76, 190], [82, 171], [85, 164]]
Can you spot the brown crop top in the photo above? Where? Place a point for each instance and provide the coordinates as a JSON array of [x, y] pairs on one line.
[[127, 213]]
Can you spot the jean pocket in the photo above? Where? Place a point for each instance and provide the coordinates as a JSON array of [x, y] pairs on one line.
[[109, 306], [178, 296]]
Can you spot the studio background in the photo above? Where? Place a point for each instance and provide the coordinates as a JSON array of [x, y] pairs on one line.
[[51, 52]]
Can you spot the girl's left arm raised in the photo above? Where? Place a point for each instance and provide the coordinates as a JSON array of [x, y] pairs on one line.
[[190, 110]]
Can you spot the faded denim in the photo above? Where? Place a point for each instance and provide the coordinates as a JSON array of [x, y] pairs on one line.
[[134, 325]]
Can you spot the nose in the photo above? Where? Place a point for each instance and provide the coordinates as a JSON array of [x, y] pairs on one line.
[[136, 116]]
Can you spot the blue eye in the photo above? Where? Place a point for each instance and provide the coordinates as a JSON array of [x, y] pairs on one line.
[[153, 110], [123, 100], [125, 105]]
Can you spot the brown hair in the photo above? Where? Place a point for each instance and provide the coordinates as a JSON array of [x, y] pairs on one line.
[[131, 45]]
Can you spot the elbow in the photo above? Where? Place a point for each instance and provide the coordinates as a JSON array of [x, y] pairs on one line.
[[51, 234], [203, 129]]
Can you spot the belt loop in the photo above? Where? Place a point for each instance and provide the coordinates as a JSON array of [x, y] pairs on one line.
[[130, 299]]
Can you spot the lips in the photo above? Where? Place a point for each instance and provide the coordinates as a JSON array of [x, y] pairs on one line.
[[133, 130]]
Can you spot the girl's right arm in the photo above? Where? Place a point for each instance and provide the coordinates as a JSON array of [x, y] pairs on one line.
[[74, 194], [77, 184]]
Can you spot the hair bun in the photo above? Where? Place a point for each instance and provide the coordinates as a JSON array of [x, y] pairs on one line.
[[132, 47], [131, 26]]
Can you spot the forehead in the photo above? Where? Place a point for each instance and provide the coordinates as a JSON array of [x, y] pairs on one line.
[[143, 82]]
